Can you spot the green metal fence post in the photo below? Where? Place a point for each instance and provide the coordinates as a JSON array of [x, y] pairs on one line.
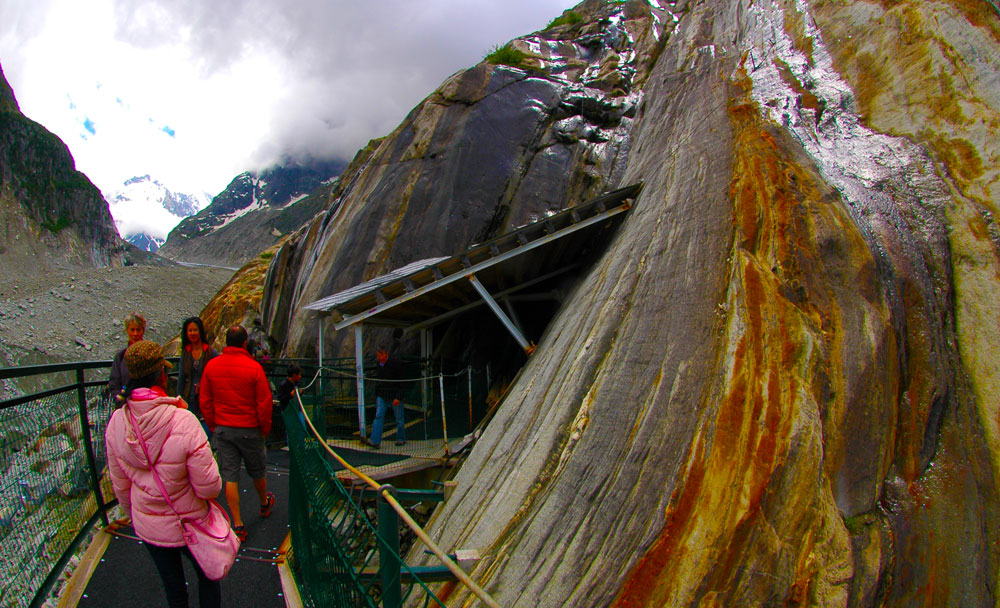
[[389, 562], [95, 479]]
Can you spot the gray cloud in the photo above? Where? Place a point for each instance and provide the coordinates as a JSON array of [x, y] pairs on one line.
[[357, 67]]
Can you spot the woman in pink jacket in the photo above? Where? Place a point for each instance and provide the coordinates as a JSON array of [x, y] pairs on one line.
[[179, 449]]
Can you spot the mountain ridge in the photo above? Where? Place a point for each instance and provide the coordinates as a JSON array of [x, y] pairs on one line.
[[252, 213], [52, 213]]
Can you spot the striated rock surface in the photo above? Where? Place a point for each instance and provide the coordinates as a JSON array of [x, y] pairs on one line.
[[786, 396], [494, 147], [50, 213], [777, 385]]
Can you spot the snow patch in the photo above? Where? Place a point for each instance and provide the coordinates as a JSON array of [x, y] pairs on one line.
[[145, 206]]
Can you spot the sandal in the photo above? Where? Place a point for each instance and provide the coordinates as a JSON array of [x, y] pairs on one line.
[[241, 533], [265, 509]]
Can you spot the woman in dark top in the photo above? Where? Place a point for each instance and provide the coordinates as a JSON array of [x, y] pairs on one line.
[[195, 353]]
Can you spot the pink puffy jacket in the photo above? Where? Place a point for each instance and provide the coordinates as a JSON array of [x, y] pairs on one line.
[[178, 446]]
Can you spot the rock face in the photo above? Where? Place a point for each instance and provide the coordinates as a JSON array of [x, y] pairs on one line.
[[253, 213], [778, 383], [493, 148], [50, 213]]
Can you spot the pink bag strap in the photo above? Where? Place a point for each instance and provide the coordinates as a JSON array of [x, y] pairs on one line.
[[163, 489], [152, 465], [159, 482]]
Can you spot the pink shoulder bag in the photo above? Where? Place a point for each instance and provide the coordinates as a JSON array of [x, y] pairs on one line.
[[211, 539]]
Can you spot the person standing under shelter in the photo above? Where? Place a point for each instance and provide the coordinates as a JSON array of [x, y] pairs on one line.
[[135, 329], [236, 404], [387, 390]]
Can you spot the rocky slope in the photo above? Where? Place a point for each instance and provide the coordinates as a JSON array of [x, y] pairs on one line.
[[51, 215], [253, 213], [778, 383], [76, 315]]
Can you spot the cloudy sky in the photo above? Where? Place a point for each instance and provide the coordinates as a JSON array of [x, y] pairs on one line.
[[194, 92]]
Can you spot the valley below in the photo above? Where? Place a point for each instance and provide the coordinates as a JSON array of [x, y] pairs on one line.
[[76, 315]]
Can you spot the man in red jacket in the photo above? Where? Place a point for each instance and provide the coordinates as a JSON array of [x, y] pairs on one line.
[[235, 400]]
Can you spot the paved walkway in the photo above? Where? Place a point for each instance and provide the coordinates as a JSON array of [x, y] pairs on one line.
[[125, 576]]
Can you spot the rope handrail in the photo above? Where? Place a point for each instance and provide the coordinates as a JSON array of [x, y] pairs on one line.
[[391, 500], [352, 376]]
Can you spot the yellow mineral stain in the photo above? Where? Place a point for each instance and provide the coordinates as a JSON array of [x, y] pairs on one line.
[[716, 509]]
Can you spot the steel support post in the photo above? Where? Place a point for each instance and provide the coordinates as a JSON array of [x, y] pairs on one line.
[[389, 562], [514, 331], [320, 401], [444, 416], [426, 389], [359, 371]]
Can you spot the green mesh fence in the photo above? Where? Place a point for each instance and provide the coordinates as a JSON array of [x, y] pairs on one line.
[[335, 546], [47, 493]]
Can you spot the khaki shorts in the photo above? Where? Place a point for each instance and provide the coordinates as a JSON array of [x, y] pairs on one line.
[[235, 445]]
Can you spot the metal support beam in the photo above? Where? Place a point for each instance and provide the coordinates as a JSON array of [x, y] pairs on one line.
[[320, 397], [499, 313], [526, 246], [512, 313], [319, 342], [426, 349], [359, 371], [461, 309]]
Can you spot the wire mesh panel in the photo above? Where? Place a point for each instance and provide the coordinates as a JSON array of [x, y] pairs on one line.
[[46, 493], [335, 546]]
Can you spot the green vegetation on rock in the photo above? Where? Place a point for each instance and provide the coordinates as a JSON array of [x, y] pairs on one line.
[[506, 55], [56, 225], [567, 18]]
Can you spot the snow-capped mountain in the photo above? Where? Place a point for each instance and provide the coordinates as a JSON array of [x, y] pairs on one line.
[[145, 210], [254, 212]]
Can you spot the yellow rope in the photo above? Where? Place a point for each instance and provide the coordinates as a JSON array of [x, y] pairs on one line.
[[389, 498]]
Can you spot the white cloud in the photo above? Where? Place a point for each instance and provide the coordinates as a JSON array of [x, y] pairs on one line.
[[238, 82]]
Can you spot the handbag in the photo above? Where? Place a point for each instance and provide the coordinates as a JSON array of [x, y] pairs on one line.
[[211, 540]]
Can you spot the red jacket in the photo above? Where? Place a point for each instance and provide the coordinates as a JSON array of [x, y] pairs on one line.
[[234, 392]]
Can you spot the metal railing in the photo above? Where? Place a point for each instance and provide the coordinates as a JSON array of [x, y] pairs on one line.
[[55, 488], [442, 400]]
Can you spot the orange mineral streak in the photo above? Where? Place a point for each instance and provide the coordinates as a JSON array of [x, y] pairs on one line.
[[644, 584], [716, 510]]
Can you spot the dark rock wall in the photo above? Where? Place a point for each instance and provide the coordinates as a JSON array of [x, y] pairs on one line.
[[493, 148], [49, 209]]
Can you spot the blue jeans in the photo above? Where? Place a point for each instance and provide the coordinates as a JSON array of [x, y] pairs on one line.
[[168, 564], [397, 410]]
